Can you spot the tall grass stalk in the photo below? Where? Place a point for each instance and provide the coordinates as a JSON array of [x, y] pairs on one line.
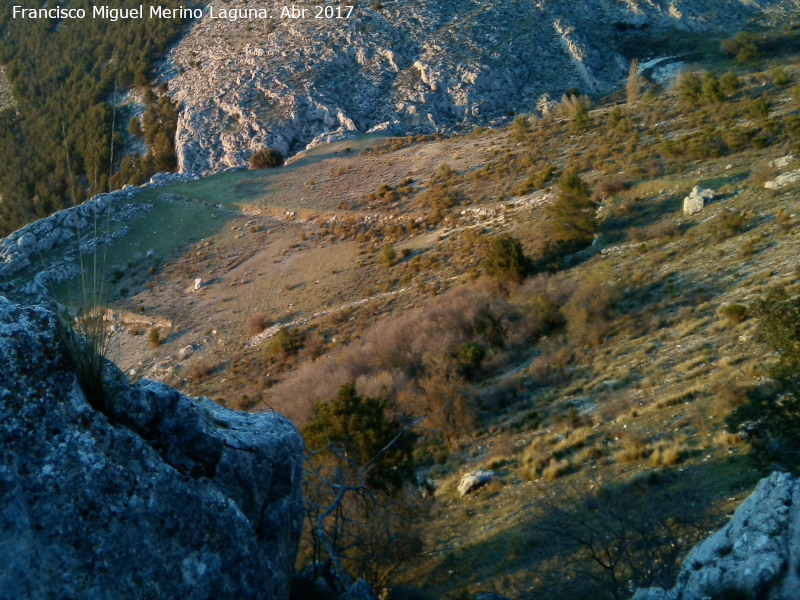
[[86, 336]]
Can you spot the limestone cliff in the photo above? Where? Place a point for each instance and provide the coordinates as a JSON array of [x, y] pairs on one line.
[[403, 67], [158, 496]]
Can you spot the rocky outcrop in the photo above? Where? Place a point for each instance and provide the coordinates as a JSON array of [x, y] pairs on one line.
[[401, 67], [756, 555], [157, 496], [783, 180], [471, 482], [100, 221], [696, 200]]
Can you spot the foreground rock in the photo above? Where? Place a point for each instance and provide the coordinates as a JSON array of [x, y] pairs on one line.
[[756, 555], [162, 496]]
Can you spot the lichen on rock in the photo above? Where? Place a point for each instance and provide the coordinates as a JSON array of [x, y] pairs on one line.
[[162, 497]]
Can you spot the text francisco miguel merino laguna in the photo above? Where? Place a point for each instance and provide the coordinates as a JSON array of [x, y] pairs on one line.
[[155, 12]]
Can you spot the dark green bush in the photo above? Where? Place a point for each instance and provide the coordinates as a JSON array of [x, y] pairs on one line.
[[505, 259], [470, 356], [359, 429], [771, 417], [735, 313], [266, 158]]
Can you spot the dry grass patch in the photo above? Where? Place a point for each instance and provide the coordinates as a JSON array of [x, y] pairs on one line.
[[633, 447], [679, 396], [668, 453], [257, 323], [728, 440], [556, 469]]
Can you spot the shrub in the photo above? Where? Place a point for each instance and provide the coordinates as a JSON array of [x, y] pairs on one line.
[[689, 89], [520, 129], [257, 323], [635, 82], [200, 371], [155, 337], [576, 109], [470, 356], [505, 259], [285, 342], [758, 108], [266, 158], [729, 83], [388, 255], [608, 187], [735, 313], [358, 427], [745, 47], [614, 117], [711, 89], [761, 175], [780, 77], [572, 213]]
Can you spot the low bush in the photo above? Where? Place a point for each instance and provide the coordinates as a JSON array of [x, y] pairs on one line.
[[256, 323], [735, 313], [266, 158]]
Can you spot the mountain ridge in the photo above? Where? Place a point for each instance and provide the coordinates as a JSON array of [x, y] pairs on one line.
[[406, 68]]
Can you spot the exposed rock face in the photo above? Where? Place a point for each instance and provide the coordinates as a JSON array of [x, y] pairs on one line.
[[408, 67], [696, 200], [756, 555], [783, 180], [162, 497]]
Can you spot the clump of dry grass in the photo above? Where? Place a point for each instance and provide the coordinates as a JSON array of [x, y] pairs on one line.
[[256, 323], [535, 457], [728, 440], [677, 397], [633, 448], [200, 371], [556, 469], [591, 453], [575, 440], [668, 453]]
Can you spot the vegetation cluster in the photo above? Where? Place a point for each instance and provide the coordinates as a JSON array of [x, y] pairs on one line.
[[63, 138]]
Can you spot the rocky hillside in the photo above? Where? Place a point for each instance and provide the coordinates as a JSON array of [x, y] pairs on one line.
[[407, 67]]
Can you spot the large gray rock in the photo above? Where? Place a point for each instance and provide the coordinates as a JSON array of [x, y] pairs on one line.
[[756, 555], [26, 245], [471, 482], [696, 200], [158, 496], [783, 180]]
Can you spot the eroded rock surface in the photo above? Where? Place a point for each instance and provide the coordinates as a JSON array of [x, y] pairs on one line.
[[756, 555], [406, 67], [163, 496]]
